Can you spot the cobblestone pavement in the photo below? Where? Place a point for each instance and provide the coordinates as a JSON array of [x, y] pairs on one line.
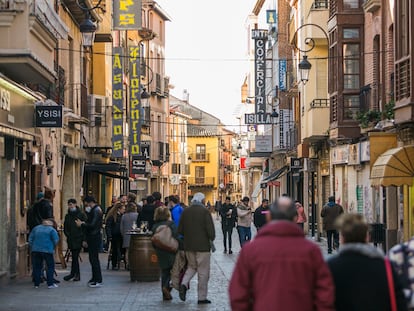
[[118, 293]]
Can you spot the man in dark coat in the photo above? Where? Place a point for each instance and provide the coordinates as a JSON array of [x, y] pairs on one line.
[[259, 217], [280, 269], [197, 228], [228, 214], [359, 272], [75, 236], [92, 227], [147, 213], [330, 213]]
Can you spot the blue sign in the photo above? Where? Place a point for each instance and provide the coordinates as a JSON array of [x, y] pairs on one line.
[[271, 17], [282, 75]]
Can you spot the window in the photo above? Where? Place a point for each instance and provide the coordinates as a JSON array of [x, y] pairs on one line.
[[351, 106], [351, 66], [351, 33], [200, 152], [351, 4], [199, 174]]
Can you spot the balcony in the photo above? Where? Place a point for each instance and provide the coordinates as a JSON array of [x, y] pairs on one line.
[[99, 113], [166, 87], [30, 32], [318, 15], [200, 181], [316, 120], [146, 120], [199, 157], [371, 6]]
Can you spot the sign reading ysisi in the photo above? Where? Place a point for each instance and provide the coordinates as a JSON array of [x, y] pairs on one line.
[[117, 102], [49, 116]]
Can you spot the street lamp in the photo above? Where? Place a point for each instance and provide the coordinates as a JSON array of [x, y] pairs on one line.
[[88, 27], [305, 66]]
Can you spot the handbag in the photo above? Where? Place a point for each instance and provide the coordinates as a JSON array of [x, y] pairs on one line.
[[390, 282], [163, 239]]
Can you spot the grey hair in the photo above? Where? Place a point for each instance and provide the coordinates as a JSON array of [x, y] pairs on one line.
[[198, 197], [283, 209]]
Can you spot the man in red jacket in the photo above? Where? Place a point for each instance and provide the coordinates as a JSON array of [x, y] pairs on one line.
[[281, 268]]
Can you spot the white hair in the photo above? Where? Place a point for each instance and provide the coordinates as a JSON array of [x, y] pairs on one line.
[[198, 197]]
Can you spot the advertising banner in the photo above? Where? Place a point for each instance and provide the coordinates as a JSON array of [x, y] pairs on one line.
[[260, 37], [127, 14], [117, 102], [135, 116], [49, 116]]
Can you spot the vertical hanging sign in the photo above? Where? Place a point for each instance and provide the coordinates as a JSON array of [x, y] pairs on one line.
[[260, 37], [127, 14], [117, 102], [135, 120]]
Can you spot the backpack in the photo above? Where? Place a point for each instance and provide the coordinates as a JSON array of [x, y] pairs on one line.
[[163, 239], [402, 259], [33, 217]]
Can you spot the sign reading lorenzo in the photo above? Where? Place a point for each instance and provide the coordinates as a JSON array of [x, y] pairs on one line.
[[262, 118]]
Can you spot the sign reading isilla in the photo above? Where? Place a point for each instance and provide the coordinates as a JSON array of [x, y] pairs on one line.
[[117, 102], [260, 37]]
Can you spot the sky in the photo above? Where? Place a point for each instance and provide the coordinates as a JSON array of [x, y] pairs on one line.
[[206, 53]]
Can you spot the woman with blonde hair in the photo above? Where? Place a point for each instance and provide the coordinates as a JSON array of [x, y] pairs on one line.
[[162, 216], [359, 271]]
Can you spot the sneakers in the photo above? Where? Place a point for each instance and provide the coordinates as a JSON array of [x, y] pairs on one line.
[[36, 286], [225, 251], [182, 292], [230, 252], [95, 284], [202, 302], [166, 295], [54, 285], [76, 278]]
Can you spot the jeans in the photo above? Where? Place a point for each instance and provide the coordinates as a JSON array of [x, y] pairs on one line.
[[245, 234], [94, 242], [116, 244], [166, 277], [38, 258], [332, 234], [227, 232], [75, 262]]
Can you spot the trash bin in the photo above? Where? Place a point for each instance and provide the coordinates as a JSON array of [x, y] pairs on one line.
[[143, 261]]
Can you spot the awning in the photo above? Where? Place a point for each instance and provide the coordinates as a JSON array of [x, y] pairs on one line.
[[105, 167], [276, 174], [112, 175], [394, 167]]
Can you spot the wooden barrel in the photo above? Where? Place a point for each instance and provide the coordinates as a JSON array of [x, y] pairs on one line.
[[143, 261]]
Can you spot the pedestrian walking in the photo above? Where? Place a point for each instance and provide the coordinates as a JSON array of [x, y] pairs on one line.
[[128, 223], [301, 215], [228, 219], [244, 221], [162, 216], [92, 227], [330, 213], [43, 240], [259, 217], [197, 228], [217, 208], [175, 208], [280, 269], [113, 233], [359, 271], [74, 236]]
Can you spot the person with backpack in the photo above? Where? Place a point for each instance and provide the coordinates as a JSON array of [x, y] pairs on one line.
[[360, 273], [330, 213], [402, 258]]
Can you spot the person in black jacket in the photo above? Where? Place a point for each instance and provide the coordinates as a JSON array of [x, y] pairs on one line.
[[228, 214], [259, 217], [75, 237], [359, 272], [113, 233], [92, 227], [147, 213]]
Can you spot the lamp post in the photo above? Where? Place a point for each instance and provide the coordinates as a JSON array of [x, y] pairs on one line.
[[88, 27], [305, 66], [304, 70]]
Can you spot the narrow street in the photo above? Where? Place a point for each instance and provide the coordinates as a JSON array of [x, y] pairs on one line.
[[118, 293]]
